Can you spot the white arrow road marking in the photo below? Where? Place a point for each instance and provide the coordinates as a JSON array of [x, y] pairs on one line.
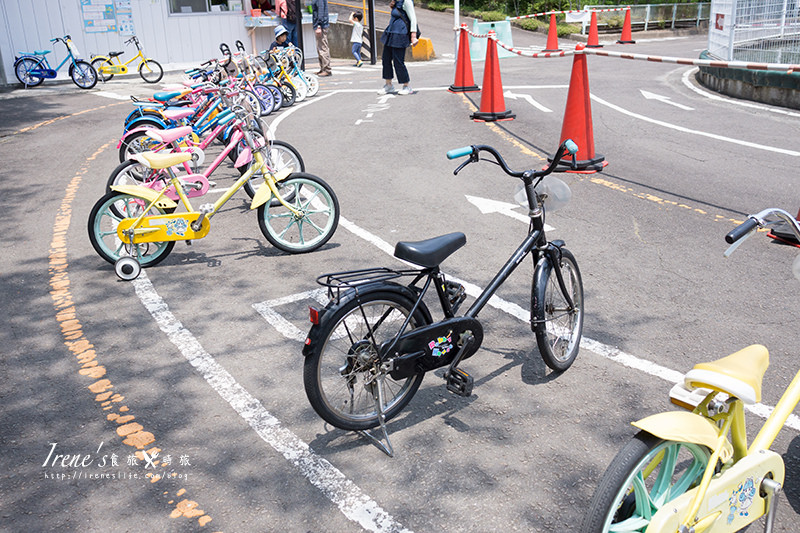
[[487, 206], [665, 99], [529, 99], [695, 132]]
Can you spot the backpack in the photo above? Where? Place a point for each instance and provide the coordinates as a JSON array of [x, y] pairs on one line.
[[291, 10]]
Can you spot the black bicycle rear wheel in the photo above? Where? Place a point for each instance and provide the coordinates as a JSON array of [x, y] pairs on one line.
[[340, 375]]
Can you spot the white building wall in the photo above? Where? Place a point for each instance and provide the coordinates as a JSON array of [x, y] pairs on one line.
[[171, 39]]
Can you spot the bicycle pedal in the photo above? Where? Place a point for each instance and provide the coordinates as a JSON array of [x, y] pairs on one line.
[[206, 208], [459, 382]]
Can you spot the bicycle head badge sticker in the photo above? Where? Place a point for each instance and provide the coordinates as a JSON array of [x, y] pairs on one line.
[[441, 345]]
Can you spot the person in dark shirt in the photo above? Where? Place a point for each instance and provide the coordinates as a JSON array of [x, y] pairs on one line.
[[281, 38]]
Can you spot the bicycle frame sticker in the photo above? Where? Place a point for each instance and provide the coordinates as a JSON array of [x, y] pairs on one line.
[[741, 499], [441, 346]]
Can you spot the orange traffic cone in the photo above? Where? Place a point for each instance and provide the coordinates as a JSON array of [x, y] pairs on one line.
[[552, 35], [463, 82], [493, 106], [577, 123], [626, 37], [594, 40]]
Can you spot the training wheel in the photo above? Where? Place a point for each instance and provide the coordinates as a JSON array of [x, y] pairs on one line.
[[127, 268]]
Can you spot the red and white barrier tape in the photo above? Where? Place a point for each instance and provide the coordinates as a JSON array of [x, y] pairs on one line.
[[566, 12], [783, 67]]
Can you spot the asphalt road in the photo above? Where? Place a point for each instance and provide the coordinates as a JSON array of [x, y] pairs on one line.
[[184, 361]]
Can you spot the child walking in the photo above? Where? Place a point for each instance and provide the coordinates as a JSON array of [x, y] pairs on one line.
[[357, 35]]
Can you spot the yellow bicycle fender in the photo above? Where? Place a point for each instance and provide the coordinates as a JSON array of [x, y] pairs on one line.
[[145, 193], [681, 426], [264, 193], [161, 228], [733, 499]]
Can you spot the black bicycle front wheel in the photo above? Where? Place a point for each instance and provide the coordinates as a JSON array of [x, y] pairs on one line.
[[558, 326], [83, 75], [341, 375], [151, 71]]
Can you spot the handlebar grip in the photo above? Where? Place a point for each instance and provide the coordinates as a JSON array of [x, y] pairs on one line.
[[459, 152], [741, 230], [571, 147]]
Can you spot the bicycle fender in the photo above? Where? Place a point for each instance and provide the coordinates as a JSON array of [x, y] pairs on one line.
[[329, 311], [145, 193], [264, 193], [682, 426]]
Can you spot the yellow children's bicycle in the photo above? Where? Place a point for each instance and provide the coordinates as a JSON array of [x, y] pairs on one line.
[[693, 471], [149, 69], [135, 226]]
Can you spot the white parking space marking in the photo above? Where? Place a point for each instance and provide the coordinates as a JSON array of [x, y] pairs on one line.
[[609, 352], [352, 502]]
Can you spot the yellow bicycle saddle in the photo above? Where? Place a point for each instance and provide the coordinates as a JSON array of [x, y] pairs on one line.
[[739, 374]]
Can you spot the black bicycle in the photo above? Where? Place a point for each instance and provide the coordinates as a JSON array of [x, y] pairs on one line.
[[369, 348]]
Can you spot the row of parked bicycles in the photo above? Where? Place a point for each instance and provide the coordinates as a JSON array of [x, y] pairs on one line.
[[369, 348], [163, 162]]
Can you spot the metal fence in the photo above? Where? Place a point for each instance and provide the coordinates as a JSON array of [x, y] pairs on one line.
[[764, 31], [650, 16]]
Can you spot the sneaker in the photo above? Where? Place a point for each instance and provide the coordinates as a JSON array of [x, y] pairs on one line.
[[387, 89], [406, 90], [359, 63]]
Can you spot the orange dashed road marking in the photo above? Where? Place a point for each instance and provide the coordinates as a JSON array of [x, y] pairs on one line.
[[101, 386]]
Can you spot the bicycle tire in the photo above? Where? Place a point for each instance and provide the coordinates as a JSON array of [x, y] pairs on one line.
[[624, 486], [289, 94], [317, 202], [103, 220], [558, 331], [151, 71], [131, 172], [277, 94], [312, 81], [265, 97], [136, 143], [344, 343], [83, 74], [22, 69], [280, 155], [99, 62], [300, 88]]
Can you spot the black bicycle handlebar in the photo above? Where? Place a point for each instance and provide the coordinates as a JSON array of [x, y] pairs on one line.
[[760, 219], [741, 230], [474, 151]]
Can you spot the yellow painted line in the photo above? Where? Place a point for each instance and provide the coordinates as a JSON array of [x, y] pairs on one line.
[[499, 131], [605, 182], [133, 433], [52, 120]]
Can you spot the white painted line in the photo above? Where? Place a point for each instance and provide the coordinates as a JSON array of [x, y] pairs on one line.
[[350, 500], [695, 132], [608, 352], [729, 100]]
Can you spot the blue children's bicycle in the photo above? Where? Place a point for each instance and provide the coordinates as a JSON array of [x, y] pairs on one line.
[[33, 68]]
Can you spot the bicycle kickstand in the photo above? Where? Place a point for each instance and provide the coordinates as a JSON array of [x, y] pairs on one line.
[[772, 489], [377, 393]]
